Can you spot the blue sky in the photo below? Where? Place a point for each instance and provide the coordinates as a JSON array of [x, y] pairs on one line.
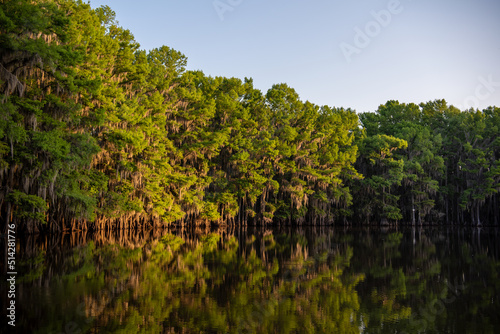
[[344, 53]]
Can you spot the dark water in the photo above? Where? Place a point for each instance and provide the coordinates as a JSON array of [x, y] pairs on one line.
[[295, 280]]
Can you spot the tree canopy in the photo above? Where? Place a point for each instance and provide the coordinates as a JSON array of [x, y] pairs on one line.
[[96, 133]]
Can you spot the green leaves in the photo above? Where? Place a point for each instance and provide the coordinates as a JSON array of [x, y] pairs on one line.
[[29, 207], [101, 130]]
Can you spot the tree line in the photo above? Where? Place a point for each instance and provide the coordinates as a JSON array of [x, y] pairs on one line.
[[96, 133]]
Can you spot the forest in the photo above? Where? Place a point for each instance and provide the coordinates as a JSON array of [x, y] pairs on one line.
[[98, 134]]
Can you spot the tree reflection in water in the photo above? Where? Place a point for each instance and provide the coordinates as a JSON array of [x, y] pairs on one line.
[[289, 280]]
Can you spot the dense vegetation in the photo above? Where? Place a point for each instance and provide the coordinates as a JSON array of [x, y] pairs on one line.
[[96, 133]]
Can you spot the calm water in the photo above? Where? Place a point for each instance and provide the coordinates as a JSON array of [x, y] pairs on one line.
[[295, 280]]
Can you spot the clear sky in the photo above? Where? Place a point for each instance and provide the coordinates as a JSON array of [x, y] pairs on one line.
[[341, 53]]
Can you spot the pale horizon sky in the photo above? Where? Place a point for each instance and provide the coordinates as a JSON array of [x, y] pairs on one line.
[[353, 54]]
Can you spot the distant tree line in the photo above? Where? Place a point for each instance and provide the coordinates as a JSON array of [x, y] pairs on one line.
[[96, 133]]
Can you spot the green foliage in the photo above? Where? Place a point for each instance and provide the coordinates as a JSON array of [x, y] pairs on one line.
[[448, 162], [104, 132], [28, 206]]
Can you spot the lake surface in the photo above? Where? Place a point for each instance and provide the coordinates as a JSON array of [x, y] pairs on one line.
[[255, 280]]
